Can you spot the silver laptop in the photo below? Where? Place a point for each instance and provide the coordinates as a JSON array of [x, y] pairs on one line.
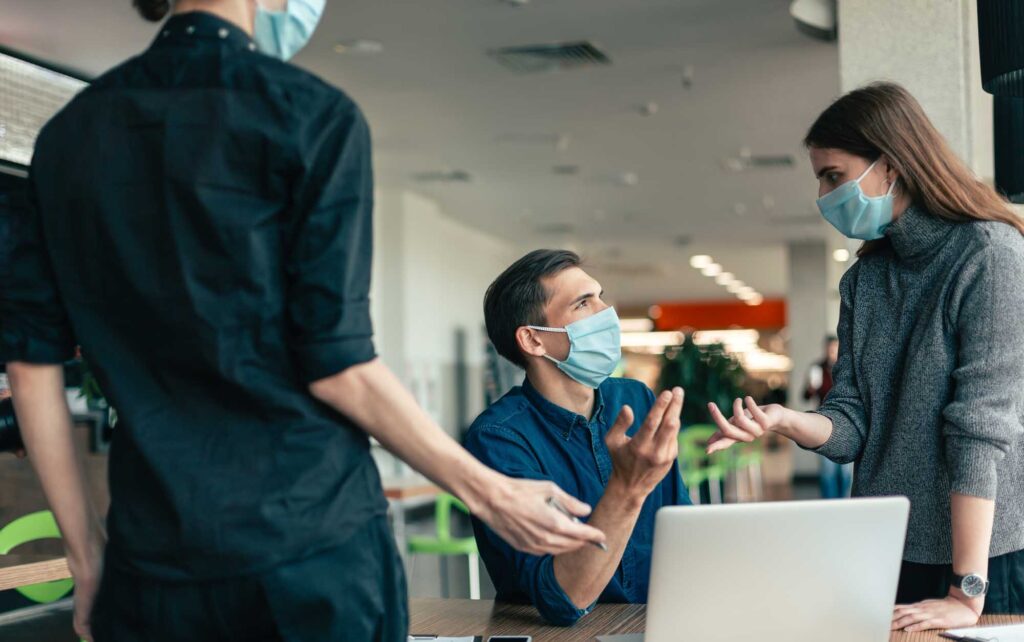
[[777, 572]]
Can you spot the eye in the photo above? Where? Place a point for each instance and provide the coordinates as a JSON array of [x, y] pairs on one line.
[[582, 304], [832, 177]]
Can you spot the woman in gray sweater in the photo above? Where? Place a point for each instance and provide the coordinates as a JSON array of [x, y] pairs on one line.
[[929, 388]]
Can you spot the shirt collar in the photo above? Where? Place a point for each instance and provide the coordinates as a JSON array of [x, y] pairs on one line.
[[558, 416], [199, 27], [917, 233]]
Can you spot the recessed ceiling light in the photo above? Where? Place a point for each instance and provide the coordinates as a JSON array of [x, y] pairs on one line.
[[746, 291], [359, 47], [700, 261], [725, 278], [648, 109], [757, 299], [630, 179], [735, 287], [841, 255], [654, 312], [712, 270]]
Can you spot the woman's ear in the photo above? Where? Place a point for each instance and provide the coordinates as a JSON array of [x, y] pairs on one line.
[[529, 342]]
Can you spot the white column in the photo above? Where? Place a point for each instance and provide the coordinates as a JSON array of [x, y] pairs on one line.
[[808, 308], [931, 48]]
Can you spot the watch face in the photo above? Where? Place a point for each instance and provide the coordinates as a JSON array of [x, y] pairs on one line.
[[973, 585]]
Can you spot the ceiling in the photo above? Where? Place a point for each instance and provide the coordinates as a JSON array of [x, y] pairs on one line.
[[436, 101]]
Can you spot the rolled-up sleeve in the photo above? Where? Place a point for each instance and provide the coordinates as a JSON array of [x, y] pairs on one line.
[[844, 406], [983, 420], [531, 575], [34, 325], [331, 245]]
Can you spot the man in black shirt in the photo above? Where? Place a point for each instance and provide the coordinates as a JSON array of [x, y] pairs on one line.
[[201, 226]]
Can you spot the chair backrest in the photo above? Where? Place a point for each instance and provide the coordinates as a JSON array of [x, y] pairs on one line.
[[443, 514], [29, 528], [693, 442]]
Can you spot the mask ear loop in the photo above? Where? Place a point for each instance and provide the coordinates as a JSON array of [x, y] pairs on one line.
[[868, 170], [546, 329]]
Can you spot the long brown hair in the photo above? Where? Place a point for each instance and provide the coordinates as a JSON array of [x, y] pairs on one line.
[[884, 119]]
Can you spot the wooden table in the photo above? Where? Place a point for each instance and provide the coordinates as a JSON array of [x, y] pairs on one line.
[[484, 617], [23, 570]]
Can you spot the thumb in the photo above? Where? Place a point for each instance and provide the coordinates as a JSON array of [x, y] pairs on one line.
[[617, 435]]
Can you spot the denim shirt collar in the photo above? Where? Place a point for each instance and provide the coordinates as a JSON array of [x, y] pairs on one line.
[[559, 418], [200, 27]]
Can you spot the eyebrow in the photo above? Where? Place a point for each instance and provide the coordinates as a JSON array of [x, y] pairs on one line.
[[584, 297], [825, 170]]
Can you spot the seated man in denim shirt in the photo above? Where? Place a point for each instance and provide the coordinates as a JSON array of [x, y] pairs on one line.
[[607, 441]]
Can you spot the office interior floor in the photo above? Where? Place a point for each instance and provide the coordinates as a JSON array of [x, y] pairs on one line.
[[425, 576]]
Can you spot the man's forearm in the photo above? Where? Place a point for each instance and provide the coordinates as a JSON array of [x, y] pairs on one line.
[[45, 424], [585, 573], [972, 519], [371, 396]]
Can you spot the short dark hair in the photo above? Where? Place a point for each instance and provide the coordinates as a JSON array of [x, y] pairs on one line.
[[152, 10], [517, 297]]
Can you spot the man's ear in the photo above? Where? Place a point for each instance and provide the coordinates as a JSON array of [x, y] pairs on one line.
[[529, 342]]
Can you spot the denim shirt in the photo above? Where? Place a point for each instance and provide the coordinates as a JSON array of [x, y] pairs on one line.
[[526, 436]]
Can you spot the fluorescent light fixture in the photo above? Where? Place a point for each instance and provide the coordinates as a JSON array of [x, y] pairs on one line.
[[842, 256], [700, 261], [734, 340], [725, 278], [651, 339], [636, 325], [32, 94], [712, 270]]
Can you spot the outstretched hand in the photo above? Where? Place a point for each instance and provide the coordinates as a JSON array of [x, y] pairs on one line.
[[748, 423], [640, 462]]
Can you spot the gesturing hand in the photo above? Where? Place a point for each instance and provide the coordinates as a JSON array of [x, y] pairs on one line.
[[746, 425], [518, 511], [641, 462]]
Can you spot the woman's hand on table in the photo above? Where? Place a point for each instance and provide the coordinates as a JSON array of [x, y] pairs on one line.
[[518, 511], [947, 613], [748, 423]]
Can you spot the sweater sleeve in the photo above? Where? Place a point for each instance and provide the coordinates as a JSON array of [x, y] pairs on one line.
[[843, 406], [983, 419]]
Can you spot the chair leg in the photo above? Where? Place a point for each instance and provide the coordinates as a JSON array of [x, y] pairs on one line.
[[757, 482], [474, 576], [446, 591], [715, 490]]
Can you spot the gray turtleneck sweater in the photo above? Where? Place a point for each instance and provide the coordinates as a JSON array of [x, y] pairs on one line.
[[928, 391]]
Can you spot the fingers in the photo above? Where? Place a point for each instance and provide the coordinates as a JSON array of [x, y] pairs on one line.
[[617, 434], [721, 443], [656, 414], [668, 431], [570, 503], [758, 415], [740, 419], [726, 428]]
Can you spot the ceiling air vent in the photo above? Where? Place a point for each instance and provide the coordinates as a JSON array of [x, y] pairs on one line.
[[443, 176], [540, 58], [746, 161]]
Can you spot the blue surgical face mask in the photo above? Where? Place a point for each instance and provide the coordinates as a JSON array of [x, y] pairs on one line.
[[283, 33], [856, 215], [595, 347]]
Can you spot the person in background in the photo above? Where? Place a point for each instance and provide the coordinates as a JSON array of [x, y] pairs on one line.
[[202, 227], [928, 390], [608, 441], [835, 478]]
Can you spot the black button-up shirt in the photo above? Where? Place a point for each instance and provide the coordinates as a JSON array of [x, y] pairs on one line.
[[202, 228]]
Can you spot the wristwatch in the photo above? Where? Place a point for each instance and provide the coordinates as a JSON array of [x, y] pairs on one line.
[[973, 584]]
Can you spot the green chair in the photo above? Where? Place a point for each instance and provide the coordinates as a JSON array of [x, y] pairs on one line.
[[445, 545], [32, 527], [695, 465]]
